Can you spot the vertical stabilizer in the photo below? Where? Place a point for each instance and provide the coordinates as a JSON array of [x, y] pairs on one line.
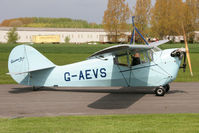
[[24, 59]]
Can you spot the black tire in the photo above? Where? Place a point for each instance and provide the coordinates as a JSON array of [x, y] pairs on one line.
[[160, 91], [167, 87]]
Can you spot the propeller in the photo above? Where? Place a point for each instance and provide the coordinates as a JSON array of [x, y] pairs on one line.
[[187, 51]]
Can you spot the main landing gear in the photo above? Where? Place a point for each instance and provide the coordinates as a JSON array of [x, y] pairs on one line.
[[161, 90]]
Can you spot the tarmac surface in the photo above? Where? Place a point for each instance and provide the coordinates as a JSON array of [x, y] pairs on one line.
[[21, 101]]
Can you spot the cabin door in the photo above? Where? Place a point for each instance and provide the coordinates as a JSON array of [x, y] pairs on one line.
[[123, 63]]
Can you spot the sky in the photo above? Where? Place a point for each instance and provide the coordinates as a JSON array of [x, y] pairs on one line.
[[90, 10]]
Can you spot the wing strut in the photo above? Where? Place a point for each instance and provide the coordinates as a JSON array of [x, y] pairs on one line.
[[133, 35], [123, 76]]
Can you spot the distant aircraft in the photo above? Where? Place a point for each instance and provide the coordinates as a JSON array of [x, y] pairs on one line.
[[140, 66]]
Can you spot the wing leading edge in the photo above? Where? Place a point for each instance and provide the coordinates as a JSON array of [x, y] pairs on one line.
[[123, 48]]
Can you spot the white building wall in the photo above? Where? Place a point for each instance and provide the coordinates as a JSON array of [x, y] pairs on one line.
[[3, 36], [196, 38], [89, 35]]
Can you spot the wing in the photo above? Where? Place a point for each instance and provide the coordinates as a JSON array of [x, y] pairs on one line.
[[121, 49], [158, 43]]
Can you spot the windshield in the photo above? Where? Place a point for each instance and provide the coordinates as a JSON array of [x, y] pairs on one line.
[[156, 49], [133, 59]]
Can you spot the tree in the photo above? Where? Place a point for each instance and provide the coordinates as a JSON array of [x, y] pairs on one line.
[[167, 18], [191, 17], [16, 23], [12, 36], [48, 22], [159, 18], [115, 19], [142, 14], [67, 40]]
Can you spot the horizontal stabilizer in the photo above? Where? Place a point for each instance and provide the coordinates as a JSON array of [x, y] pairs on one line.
[[28, 71]]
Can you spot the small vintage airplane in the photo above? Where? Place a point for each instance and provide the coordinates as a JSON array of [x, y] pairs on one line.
[[122, 65]]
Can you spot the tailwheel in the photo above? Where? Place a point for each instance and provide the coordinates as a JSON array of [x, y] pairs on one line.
[[167, 87], [160, 91]]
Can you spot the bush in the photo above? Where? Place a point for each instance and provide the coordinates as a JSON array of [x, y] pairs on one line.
[[67, 40], [12, 36]]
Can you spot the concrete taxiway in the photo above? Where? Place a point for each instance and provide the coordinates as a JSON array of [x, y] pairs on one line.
[[21, 101]]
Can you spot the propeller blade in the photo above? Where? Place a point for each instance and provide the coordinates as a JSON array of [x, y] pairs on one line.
[[187, 51]]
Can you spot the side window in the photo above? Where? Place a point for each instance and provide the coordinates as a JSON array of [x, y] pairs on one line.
[[150, 55], [134, 59], [122, 60], [141, 57]]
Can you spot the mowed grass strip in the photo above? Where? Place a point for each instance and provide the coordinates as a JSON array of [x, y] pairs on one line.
[[62, 54], [150, 123]]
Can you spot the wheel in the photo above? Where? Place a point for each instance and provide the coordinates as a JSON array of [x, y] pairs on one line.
[[160, 91], [167, 87], [34, 88]]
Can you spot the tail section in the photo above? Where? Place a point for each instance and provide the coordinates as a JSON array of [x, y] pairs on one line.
[[24, 59]]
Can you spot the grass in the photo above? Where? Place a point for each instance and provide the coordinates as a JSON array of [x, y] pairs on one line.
[[62, 54], [150, 123]]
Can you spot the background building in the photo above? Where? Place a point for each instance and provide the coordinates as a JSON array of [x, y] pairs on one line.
[[196, 37], [35, 35]]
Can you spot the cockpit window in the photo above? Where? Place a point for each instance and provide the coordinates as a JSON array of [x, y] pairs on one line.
[[134, 58], [122, 60], [146, 56]]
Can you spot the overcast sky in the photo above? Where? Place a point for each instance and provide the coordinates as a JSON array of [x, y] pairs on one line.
[[90, 10]]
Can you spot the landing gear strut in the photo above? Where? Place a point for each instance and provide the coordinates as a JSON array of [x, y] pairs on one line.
[[167, 87]]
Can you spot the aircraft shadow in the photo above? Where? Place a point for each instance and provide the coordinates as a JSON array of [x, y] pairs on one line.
[[116, 101], [124, 99]]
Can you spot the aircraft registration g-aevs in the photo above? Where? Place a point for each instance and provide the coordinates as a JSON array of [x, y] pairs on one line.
[[121, 65]]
